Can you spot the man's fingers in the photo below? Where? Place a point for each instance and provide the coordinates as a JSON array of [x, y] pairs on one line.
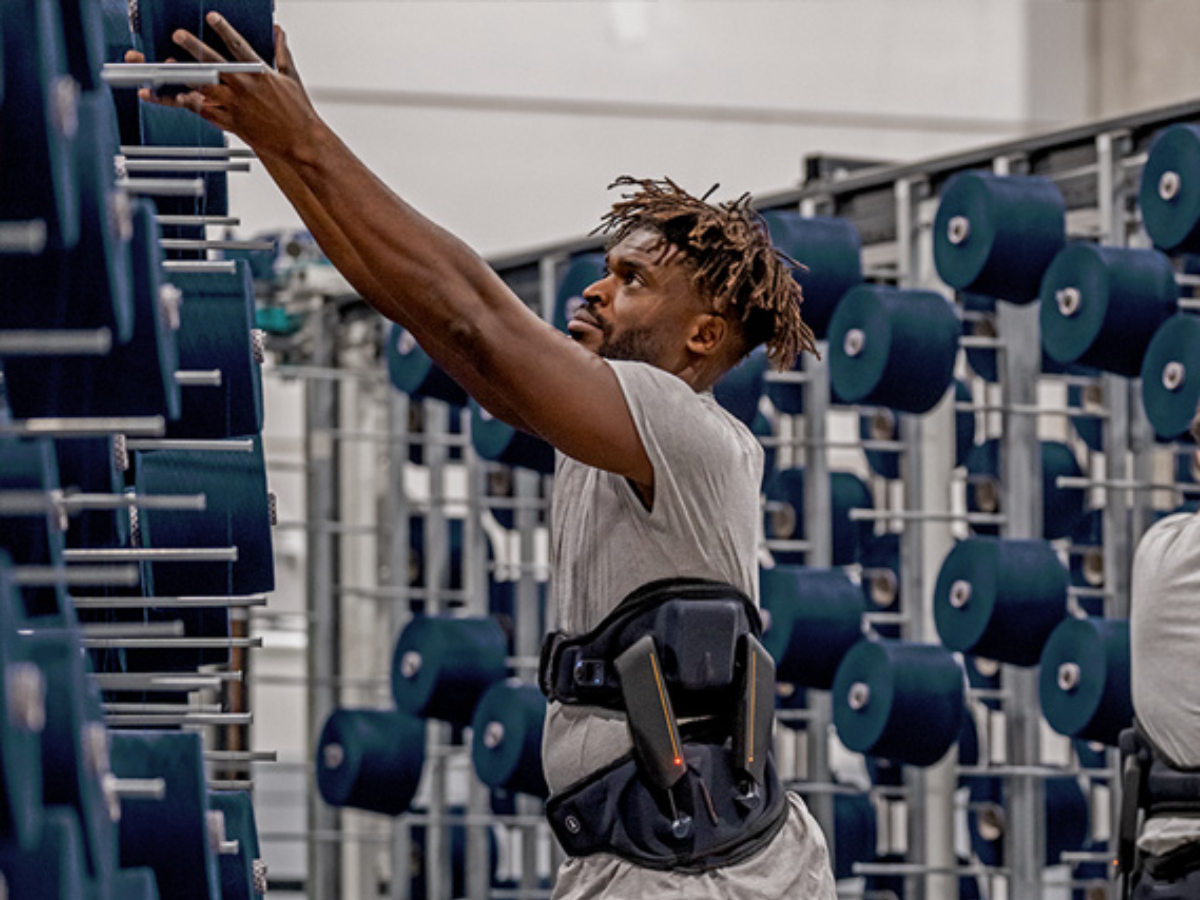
[[133, 56], [283, 55], [241, 50], [196, 47]]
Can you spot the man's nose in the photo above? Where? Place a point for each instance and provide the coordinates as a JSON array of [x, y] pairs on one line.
[[594, 294]]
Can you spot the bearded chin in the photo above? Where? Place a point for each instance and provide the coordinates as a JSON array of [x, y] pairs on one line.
[[637, 345]]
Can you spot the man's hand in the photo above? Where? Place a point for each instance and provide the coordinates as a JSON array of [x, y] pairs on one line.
[[269, 112]]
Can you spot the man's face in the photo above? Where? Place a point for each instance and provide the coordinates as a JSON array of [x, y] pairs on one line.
[[644, 307]]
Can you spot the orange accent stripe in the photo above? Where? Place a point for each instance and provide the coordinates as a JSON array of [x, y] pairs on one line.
[[663, 699], [753, 688]]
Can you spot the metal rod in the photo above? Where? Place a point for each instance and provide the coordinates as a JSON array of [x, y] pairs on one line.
[[132, 629], [25, 238], [138, 681], [237, 445], [91, 576], [56, 342], [139, 788], [168, 602], [191, 502], [187, 221], [1127, 484], [122, 720], [235, 756], [201, 266], [1032, 409], [185, 165], [197, 377], [154, 709], [221, 244], [85, 426], [184, 643], [918, 870], [163, 187], [150, 554], [220, 68], [1189, 303], [186, 151], [226, 784], [862, 514]]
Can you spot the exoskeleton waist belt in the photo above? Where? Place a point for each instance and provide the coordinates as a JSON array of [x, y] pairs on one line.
[[681, 646]]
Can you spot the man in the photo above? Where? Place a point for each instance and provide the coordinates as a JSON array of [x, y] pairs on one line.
[[655, 481], [1165, 657]]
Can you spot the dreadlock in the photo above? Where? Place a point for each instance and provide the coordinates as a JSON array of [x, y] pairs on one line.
[[748, 281]]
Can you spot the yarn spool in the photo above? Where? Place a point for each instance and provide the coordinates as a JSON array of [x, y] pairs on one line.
[[1062, 507], [496, 440], [413, 372], [1169, 193], [847, 492], [830, 252], [1171, 376], [815, 616], [1000, 598], [83, 33], [1091, 754], [22, 720], [882, 687], [136, 378], [506, 744], [881, 424], [1087, 560], [54, 868], [996, 235], [370, 759], [893, 347], [458, 858], [39, 178], [171, 835], [135, 884], [1084, 683], [75, 746], [216, 321], [983, 674], [740, 388], [584, 270], [855, 833], [880, 582], [442, 665], [1067, 819], [979, 320], [786, 396], [1101, 305], [242, 873], [89, 466], [35, 539], [157, 20], [1090, 429], [788, 699]]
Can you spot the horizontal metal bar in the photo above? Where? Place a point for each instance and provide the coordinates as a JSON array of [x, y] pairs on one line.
[[185, 151], [193, 502], [163, 187], [25, 238], [1078, 856], [201, 266], [230, 785], [168, 602], [185, 165], [236, 445], [148, 78], [784, 545], [122, 720], [1004, 771], [139, 788], [85, 426], [863, 514], [112, 630], [138, 681], [91, 576], [220, 68], [321, 373], [198, 377], [980, 342], [150, 554], [236, 756], [1189, 303], [154, 709], [184, 643], [1032, 409], [921, 870], [215, 244], [788, 377], [1127, 484], [191, 221], [56, 342]]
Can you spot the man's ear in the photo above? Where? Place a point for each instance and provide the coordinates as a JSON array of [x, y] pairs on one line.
[[709, 334]]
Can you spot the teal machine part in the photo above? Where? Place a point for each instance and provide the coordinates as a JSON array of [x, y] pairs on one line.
[[1084, 682], [996, 235], [882, 687], [892, 347], [370, 759], [1101, 305], [1000, 598]]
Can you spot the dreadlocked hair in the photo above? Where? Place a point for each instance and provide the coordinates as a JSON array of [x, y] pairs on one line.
[[748, 281]]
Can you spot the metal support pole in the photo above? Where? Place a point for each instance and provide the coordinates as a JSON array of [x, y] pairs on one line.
[[324, 876]]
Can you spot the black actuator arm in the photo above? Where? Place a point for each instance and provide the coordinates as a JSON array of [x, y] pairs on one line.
[[651, 720], [755, 715]]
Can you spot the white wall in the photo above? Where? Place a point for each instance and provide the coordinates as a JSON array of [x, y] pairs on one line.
[[505, 120]]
